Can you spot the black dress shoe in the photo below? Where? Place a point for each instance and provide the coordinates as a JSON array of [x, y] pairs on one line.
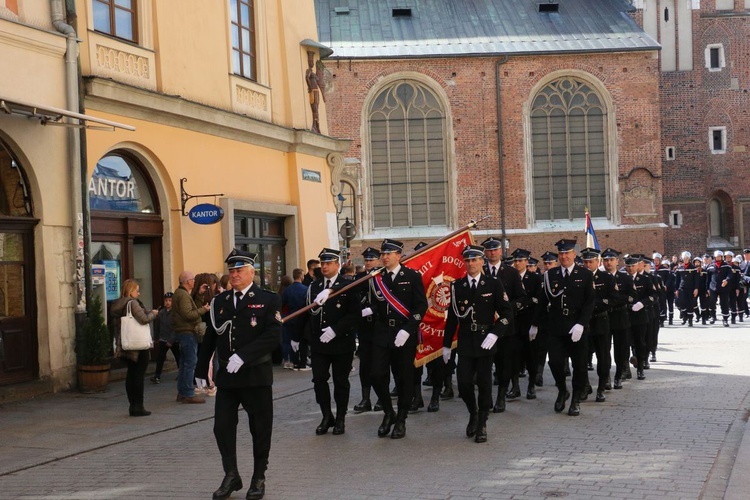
[[378, 406], [325, 424], [427, 382], [434, 405], [575, 408], [139, 411], [471, 427], [531, 392], [618, 384], [641, 375], [363, 406], [513, 393], [562, 397], [539, 380], [447, 393], [339, 427], [628, 374], [385, 426], [600, 397], [646, 365], [634, 361], [399, 430], [499, 406], [522, 374], [232, 482], [585, 393], [257, 489], [481, 434], [653, 358], [416, 404], [394, 393]]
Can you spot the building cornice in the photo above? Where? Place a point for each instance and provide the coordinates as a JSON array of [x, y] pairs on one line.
[[108, 96]]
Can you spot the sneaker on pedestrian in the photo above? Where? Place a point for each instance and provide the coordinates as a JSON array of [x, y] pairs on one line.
[[155, 380]]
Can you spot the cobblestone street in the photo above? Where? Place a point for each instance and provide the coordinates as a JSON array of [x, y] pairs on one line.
[[674, 435]]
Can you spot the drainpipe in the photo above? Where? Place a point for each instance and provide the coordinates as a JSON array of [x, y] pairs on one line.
[[500, 62], [74, 156]]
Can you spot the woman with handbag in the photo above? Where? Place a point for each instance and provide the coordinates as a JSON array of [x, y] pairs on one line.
[[131, 346]]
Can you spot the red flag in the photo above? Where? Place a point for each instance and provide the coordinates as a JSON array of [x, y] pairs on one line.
[[438, 267]]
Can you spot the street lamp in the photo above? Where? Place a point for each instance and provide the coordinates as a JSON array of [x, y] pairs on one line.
[[348, 232]]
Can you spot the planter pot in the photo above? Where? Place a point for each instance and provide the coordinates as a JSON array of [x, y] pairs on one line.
[[93, 378]]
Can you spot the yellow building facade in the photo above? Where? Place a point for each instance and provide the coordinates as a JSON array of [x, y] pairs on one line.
[[219, 97]]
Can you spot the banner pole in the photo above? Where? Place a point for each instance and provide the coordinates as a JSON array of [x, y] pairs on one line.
[[375, 272]]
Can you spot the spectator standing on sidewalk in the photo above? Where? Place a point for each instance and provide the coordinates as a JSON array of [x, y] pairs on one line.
[[293, 298], [165, 337], [185, 317], [137, 361]]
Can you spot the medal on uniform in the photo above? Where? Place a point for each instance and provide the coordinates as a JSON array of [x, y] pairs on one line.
[[253, 321]]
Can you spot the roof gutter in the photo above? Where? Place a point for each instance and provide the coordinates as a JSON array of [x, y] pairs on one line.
[[498, 63]]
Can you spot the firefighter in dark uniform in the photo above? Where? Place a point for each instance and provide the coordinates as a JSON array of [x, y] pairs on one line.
[[330, 328], [639, 314], [666, 298], [476, 299], [599, 327], [686, 285], [652, 341], [734, 284], [496, 268], [364, 331], [703, 299], [247, 329], [568, 301], [399, 302], [549, 260], [525, 308], [619, 320], [719, 285]]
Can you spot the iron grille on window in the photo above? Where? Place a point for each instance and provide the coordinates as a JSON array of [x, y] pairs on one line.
[[408, 176], [570, 166]]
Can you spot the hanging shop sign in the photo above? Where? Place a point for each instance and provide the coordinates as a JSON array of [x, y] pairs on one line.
[[206, 213]]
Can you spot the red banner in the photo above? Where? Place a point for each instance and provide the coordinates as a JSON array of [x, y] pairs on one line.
[[438, 267]]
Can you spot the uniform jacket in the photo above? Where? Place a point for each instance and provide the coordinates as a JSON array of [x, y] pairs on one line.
[[252, 330], [511, 280], [604, 299], [645, 294], [532, 285], [717, 273], [479, 308], [566, 301], [666, 277], [625, 296], [365, 327], [407, 287], [341, 313]]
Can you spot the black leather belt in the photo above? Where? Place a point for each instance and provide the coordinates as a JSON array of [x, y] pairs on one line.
[[568, 312], [477, 327]]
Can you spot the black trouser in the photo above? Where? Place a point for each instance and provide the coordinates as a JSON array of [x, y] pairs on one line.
[[653, 336], [724, 302], [258, 404], [402, 359], [621, 350], [299, 358], [562, 347], [541, 348], [365, 367], [733, 302], [161, 355], [602, 344], [638, 338], [508, 350], [340, 365], [468, 368], [670, 303], [527, 348], [134, 378], [712, 298]]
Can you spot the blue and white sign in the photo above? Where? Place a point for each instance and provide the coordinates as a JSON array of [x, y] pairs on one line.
[[206, 213]]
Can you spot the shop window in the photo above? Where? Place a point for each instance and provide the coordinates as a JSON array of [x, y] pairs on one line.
[[15, 200], [264, 236], [117, 18], [569, 146], [118, 184], [243, 38]]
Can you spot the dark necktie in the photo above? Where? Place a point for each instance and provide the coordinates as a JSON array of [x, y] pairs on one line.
[[473, 284], [565, 273], [494, 272], [328, 283], [239, 298]]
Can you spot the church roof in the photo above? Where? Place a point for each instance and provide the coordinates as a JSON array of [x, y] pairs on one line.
[[451, 28]]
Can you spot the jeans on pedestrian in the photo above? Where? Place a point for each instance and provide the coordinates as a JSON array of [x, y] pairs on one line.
[[188, 360], [286, 343]]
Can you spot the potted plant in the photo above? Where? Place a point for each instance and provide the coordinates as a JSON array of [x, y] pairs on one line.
[[94, 351]]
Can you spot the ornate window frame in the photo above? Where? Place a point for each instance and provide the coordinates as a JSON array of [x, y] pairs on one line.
[[611, 149], [368, 230]]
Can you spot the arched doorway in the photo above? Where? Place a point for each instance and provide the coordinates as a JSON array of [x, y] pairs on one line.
[[126, 227], [18, 335]]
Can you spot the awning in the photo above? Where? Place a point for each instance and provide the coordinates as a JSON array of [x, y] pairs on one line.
[[48, 115]]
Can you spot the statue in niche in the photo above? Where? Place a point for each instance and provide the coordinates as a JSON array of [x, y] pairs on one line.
[[315, 85]]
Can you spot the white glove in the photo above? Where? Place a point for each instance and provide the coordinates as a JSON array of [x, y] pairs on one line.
[[401, 337], [328, 335], [366, 312], [295, 346], [321, 298], [637, 306], [235, 363], [532, 332], [489, 341], [576, 332], [200, 383], [446, 354]]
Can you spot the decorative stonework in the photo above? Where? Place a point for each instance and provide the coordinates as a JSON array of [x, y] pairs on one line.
[[112, 59], [639, 204], [251, 98]]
